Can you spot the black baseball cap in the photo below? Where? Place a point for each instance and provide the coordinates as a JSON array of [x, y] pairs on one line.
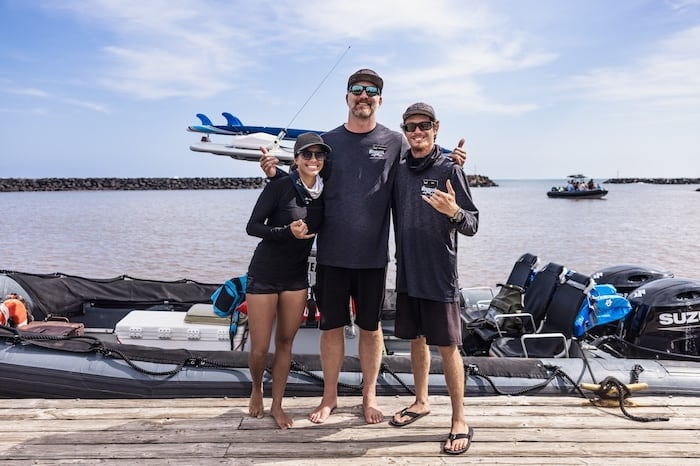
[[306, 140], [368, 75]]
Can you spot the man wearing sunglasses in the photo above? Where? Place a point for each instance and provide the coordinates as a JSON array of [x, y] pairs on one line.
[[352, 244], [432, 205]]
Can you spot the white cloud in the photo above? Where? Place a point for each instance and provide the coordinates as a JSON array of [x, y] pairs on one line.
[[683, 4], [668, 76], [436, 21], [28, 92], [162, 49], [84, 104], [41, 94]]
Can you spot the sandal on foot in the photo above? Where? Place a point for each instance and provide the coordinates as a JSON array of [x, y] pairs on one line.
[[412, 417], [452, 437]]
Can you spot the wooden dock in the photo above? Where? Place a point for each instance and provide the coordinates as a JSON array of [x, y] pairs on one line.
[[205, 431]]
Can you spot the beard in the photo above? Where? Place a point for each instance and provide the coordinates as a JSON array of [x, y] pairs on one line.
[[363, 110]]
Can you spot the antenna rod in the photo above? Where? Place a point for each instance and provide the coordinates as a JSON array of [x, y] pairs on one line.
[[283, 133], [318, 87]]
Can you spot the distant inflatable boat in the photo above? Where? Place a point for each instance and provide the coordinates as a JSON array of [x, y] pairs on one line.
[[578, 188], [589, 194]]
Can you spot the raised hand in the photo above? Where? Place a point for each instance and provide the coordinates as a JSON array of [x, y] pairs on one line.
[[458, 154], [268, 162], [443, 202]]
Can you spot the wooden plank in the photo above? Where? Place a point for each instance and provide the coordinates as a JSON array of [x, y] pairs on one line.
[[421, 461], [508, 430], [38, 427], [187, 411], [301, 402], [341, 420], [423, 446], [190, 434]]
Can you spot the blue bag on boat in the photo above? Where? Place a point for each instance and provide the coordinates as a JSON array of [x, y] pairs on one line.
[[229, 296], [603, 305]]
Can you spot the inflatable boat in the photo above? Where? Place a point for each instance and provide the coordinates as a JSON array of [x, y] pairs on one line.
[[589, 194], [132, 338], [578, 188]]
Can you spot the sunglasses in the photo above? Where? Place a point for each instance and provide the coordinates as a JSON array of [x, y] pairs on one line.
[[319, 155], [423, 125], [356, 89]]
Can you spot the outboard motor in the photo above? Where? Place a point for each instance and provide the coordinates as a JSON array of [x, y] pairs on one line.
[[626, 278], [665, 319]]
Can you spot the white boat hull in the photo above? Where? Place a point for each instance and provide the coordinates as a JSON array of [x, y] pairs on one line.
[[247, 148]]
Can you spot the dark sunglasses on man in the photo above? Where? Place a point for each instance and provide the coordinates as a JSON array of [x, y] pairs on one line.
[[356, 89], [423, 126]]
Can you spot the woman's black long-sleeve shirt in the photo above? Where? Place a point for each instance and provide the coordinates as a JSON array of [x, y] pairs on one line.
[[280, 256]]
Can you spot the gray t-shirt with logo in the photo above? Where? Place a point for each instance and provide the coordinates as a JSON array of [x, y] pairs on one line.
[[426, 240], [359, 179]]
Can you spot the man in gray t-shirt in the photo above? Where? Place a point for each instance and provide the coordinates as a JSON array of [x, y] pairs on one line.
[[352, 244]]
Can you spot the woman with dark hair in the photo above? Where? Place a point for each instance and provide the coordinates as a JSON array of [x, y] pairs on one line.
[[287, 216]]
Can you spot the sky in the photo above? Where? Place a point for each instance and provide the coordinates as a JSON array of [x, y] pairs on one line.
[[540, 89]]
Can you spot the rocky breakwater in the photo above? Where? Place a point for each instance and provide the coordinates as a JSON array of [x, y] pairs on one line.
[[480, 181], [153, 184], [126, 184], [653, 180]]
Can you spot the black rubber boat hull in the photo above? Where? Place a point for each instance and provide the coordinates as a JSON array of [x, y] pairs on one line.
[[590, 194], [51, 370]]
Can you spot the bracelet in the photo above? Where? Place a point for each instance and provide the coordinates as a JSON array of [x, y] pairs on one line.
[[458, 216]]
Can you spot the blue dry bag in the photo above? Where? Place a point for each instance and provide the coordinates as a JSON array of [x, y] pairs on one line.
[[604, 305], [229, 296]]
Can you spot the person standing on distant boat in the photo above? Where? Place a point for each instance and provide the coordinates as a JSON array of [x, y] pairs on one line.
[[287, 216], [433, 204], [352, 246]]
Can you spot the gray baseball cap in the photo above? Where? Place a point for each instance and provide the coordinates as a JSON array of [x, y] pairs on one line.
[[420, 108]]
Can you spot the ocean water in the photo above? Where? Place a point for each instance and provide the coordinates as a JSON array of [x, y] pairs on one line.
[[200, 235]]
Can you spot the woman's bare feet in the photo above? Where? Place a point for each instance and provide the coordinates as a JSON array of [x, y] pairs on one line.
[[255, 405], [283, 421]]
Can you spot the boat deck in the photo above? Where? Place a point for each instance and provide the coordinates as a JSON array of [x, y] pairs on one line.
[[207, 431]]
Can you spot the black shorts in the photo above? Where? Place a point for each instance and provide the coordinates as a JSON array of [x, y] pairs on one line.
[[255, 286], [336, 285], [439, 322]]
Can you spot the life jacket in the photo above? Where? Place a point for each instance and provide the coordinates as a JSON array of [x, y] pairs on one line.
[[13, 313]]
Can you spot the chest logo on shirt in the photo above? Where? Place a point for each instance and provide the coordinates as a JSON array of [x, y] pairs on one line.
[[428, 187], [377, 152]]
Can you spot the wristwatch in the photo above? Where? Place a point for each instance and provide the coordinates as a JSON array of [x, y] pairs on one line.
[[458, 217]]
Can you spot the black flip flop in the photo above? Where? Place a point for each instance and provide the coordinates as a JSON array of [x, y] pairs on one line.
[[452, 437], [412, 417]]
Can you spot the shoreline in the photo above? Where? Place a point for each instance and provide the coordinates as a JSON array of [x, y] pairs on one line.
[[653, 180], [149, 184]]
